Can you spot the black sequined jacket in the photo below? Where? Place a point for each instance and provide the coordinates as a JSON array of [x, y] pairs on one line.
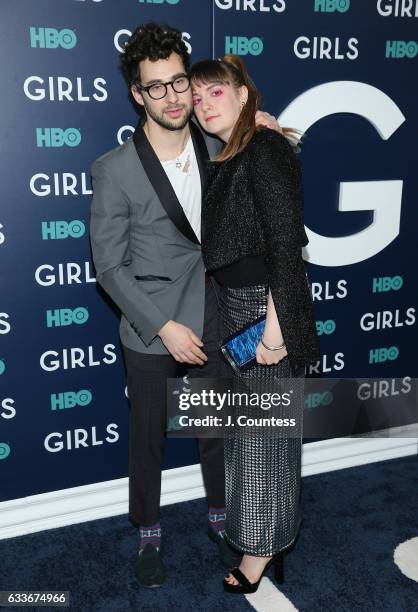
[[252, 205]]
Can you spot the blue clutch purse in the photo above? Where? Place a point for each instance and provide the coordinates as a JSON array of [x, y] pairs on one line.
[[239, 349]]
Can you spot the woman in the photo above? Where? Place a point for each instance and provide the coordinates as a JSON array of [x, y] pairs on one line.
[[252, 234]]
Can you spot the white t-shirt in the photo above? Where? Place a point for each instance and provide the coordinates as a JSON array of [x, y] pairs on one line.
[[186, 184]]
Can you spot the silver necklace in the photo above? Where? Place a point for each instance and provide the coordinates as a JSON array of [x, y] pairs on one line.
[[184, 166]]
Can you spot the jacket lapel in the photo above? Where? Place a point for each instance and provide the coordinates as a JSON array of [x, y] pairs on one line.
[[162, 185]]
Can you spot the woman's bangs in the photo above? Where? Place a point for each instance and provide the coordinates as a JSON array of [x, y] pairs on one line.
[[209, 71]]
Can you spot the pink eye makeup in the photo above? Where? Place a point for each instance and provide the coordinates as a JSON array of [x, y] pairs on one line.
[[215, 91]]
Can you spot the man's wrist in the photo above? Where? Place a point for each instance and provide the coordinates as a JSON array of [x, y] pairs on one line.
[[161, 331]]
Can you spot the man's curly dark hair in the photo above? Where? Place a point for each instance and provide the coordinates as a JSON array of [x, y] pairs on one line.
[[152, 41]]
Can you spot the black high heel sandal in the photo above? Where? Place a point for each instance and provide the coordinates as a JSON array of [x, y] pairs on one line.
[[245, 586]]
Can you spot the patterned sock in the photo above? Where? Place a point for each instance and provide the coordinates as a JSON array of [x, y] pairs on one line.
[[217, 519], [150, 535]]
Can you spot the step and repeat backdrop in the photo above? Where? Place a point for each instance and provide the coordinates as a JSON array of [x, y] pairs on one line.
[[341, 71]]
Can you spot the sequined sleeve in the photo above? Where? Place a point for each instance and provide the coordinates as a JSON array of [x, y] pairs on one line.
[[277, 189]]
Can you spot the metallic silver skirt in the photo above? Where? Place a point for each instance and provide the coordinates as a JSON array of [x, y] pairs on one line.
[[262, 472]]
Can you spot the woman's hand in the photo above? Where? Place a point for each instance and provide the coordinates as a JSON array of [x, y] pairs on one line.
[[265, 357]]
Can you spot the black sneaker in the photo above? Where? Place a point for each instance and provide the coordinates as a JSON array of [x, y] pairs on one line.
[[229, 556], [149, 567]]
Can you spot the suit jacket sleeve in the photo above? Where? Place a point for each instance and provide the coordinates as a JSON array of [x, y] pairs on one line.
[[109, 234], [277, 186]]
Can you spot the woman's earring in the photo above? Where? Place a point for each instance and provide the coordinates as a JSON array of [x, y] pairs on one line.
[[243, 103]]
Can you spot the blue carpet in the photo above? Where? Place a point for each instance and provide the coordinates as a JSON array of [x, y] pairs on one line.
[[343, 560]]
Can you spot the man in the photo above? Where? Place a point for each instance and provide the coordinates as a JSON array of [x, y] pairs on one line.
[[145, 236]]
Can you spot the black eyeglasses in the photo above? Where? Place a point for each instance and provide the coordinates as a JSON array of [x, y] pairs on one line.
[[157, 91]]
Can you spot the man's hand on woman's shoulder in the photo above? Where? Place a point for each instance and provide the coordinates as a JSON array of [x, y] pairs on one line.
[[268, 121]]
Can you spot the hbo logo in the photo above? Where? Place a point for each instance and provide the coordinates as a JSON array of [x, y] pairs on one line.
[[387, 283], [325, 327], [66, 316], [330, 6], [401, 48], [312, 400], [56, 137], [241, 45], [58, 230], [380, 355], [50, 38], [69, 399]]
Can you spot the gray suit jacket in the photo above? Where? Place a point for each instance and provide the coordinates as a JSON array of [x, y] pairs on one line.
[[146, 254]]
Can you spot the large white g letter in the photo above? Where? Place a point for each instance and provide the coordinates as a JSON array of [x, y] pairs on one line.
[[383, 197]]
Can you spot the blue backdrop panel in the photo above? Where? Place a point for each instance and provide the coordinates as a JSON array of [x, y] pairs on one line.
[[341, 71]]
